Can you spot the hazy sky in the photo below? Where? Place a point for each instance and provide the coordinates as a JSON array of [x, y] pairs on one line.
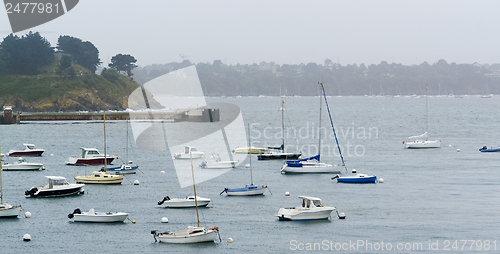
[[291, 32]]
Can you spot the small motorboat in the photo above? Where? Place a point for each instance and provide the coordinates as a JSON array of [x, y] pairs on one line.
[[485, 149], [310, 209], [92, 216], [57, 187], [251, 150], [9, 211], [22, 165], [355, 178], [99, 177], [248, 190], [29, 150], [186, 202], [311, 165], [90, 156], [189, 152], [216, 163], [123, 169], [190, 235]]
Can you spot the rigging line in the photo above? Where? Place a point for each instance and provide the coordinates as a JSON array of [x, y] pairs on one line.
[[331, 121]]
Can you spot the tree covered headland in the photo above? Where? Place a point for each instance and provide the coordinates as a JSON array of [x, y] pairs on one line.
[[301, 79], [34, 76]]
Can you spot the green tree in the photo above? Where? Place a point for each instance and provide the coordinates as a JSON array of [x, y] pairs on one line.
[[84, 53], [124, 63], [26, 54]]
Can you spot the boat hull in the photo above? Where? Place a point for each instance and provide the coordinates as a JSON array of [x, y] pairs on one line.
[[218, 164], [423, 144], [368, 179], [183, 203], [8, 211], [33, 153], [183, 236], [293, 214], [187, 156], [311, 169], [236, 192], [90, 161], [100, 217], [22, 167], [490, 150], [122, 170], [278, 156], [83, 179]]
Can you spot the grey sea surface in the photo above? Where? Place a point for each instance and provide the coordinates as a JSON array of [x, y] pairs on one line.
[[430, 200]]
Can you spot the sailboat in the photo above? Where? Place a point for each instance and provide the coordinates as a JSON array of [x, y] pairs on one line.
[[6, 210], [313, 164], [249, 189], [191, 234], [422, 141], [101, 177], [281, 154], [125, 168]]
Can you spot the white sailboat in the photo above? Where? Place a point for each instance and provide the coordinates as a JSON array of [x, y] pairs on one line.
[[313, 164], [6, 210], [422, 141], [191, 234]]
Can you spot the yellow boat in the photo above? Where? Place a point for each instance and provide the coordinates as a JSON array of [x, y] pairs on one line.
[[252, 150], [100, 178]]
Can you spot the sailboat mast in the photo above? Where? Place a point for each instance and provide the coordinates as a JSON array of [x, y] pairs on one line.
[[319, 127], [194, 187], [283, 123], [331, 121], [105, 159], [1, 182], [426, 112], [250, 152], [126, 159]]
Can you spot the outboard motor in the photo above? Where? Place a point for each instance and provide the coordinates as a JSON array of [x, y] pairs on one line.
[[203, 164], [31, 192], [76, 211], [163, 201]]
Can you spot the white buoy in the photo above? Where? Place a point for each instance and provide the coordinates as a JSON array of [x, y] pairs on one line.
[[162, 172], [164, 220], [229, 240], [27, 237], [27, 214], [51, 154], [341, 216], [287, 193], [449, 145], [458, 150], [247, 165], [381, 180], [136, 182]]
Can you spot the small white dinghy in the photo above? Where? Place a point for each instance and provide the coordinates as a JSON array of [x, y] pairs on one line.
[[188, 152], [215, 162], [92, 216], [186, 202], [310, 209], [22, 165]]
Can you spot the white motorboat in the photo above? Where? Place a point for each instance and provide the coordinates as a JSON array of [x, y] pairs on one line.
[[216, 163], [29, 150], [6, 210], [422, 141], [310, 209], [186, 202], [90, 156], [188, 152], [57, 187], [22, 165], [354, 177], [92, 216]]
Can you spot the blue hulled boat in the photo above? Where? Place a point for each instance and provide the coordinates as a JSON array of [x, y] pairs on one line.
[[486, 149]]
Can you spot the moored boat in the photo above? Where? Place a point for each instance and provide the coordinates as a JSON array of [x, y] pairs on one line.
[[57, 187], [92, 216], [99, 177], [250, 149], [29, 150], [310, 209], [215, 162], [90, 156], [354, 177], [186, 202], [6, 210], [124, 169], [189, 151], [485, 149], [22, 165]]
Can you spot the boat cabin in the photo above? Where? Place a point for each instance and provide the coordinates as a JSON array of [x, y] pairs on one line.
[[29, 147], [310, 202], [56, 180], [188, 149], [90, 153]]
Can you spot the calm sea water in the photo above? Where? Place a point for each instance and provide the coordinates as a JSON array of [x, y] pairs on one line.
[[429, 197]]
